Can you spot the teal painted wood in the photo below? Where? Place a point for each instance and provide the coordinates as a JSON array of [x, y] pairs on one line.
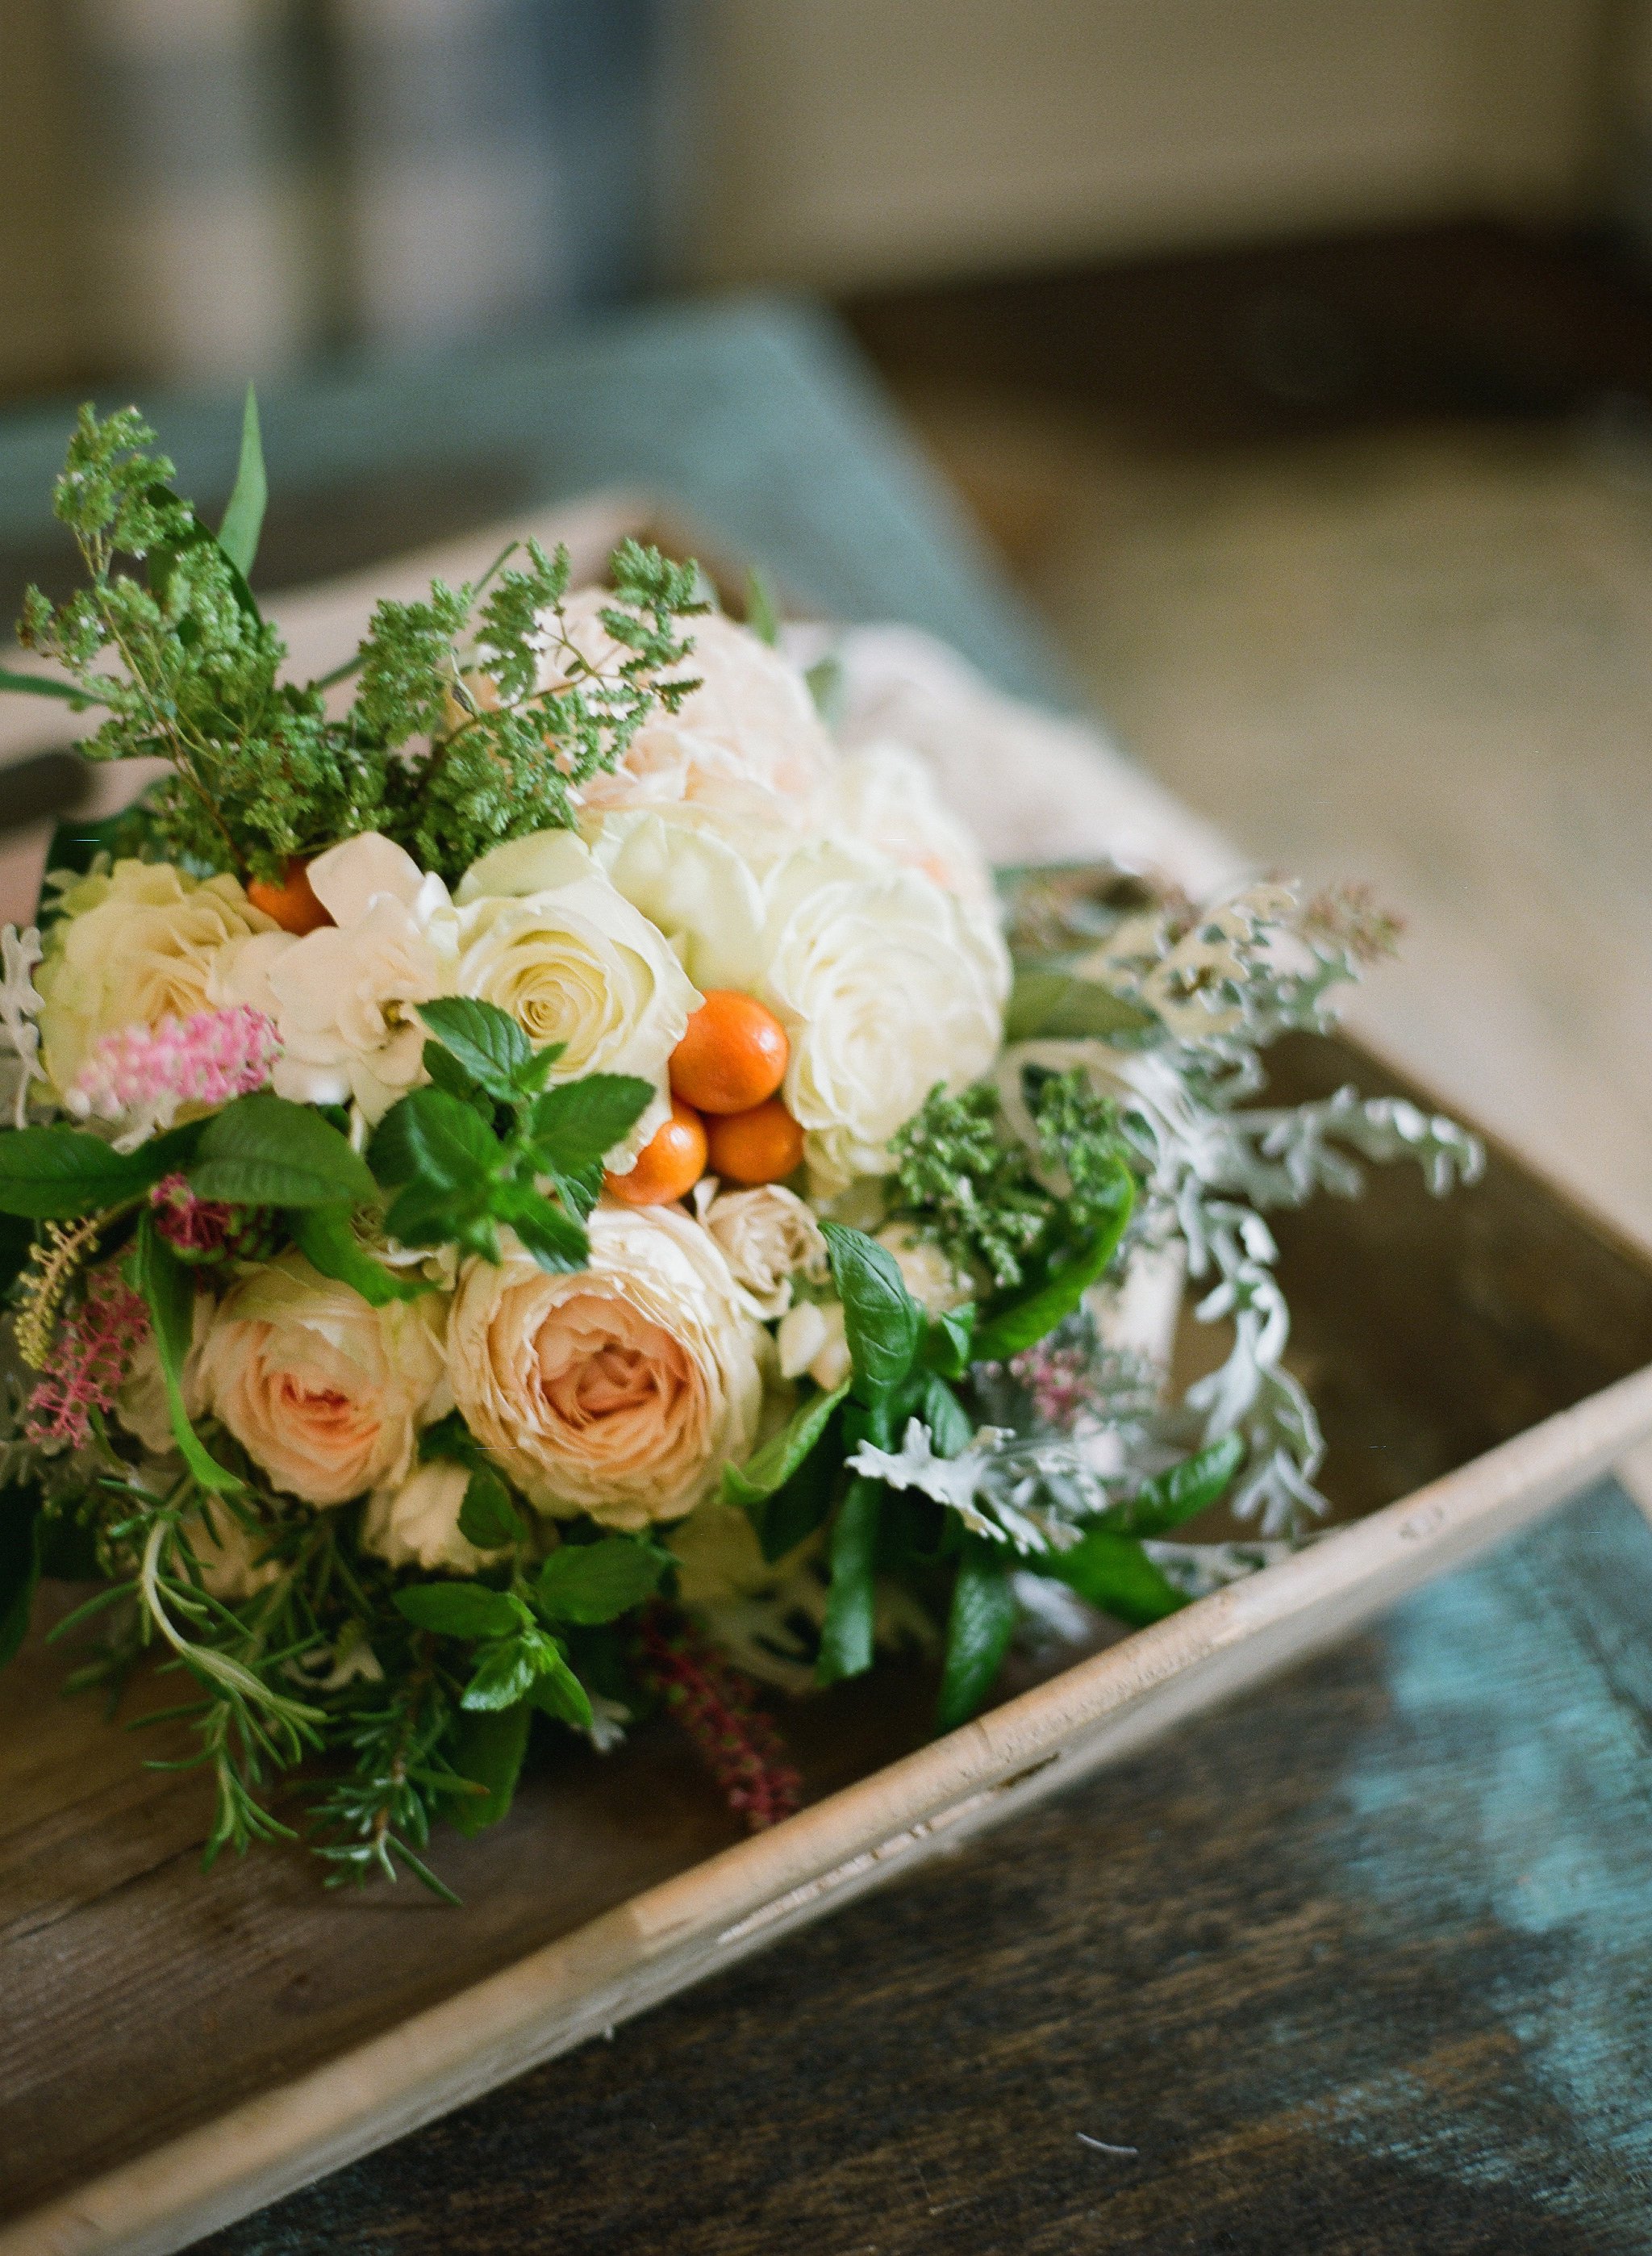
[[1357, 1963], [757, 416]]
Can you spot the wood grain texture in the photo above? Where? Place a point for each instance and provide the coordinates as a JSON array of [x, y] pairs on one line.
[[146, 2000], [1356, 1966]]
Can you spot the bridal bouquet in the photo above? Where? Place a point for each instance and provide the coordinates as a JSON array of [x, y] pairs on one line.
[[539, 1189]]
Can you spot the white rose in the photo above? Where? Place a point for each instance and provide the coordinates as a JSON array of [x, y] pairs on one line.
[[766, 1236], [621, 1391], [925, 1272], [700, 880], [134, 945], [747, 741], [886, 795], [322, 1391], [886, 986], [416, 1524], [344, 997], [811, 1343], [572, 961]]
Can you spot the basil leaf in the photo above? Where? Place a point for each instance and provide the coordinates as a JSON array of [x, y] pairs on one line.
[[1060, 1005], [782, 1520], [846, 1634], [978, 1629], [770, 1467], [488, 1749], [488, 1517], [486, 1040], [882, 1323], [57, 1174], [583, 1120], [22, 1540], [951, 1427], [41, 685], [558, 1692], [323, 1236], [1172, 1497], [432, 1137], [1114, 1574], [243, 517], [461, 1609], [1027, 1320], [589, 1582], [947, 1345], [263, 1151], [168, 1287]]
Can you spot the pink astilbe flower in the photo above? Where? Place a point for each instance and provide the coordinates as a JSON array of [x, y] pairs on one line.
[[89, 1359], [715, 1705], [1058, 1380], [206, 1059]]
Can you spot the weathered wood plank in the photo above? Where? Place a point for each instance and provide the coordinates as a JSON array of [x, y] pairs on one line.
[[1356, 1966]]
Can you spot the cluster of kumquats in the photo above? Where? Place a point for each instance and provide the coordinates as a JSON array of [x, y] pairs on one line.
[[727, 1119]]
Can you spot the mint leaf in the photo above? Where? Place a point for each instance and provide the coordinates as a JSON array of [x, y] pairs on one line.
[[57, 1174], [263, 1151], [488, 1517], [882, 1323], [978, 1629], [1172, 1497], [555, 1241], [168, 1287], [505, 1671], [486, 1040], [589, 1582], [1027, 1320], [581, 1121], [846, 1634], [488, 1749], [434, 1138], [770, 1467], [243, 517], [428, 1214], [461, 1608], [325, 1236], [558, 1692], [1114, 1574]]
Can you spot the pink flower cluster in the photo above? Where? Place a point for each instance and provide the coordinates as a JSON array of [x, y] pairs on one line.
[[1058, 1380], [89, 1359], [206, 1059], [715, 1704]]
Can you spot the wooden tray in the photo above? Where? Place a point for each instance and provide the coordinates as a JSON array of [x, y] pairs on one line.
[[176, 2050]]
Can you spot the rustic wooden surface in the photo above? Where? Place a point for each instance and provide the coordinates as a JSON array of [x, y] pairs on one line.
[[1354, 1966]]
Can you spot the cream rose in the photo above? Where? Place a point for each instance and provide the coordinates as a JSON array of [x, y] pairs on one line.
[[886, 986], [546, 937], [747, 741], [322, 1391], [134, 945], [620, 1390], [416, 1524], [885, 795], [767, 1236], [345, 998], [811, 1340]]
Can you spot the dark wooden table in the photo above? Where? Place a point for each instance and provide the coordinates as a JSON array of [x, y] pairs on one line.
[[1359, 1964]]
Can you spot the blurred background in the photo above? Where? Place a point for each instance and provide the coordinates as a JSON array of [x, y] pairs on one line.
[[1297, 354]]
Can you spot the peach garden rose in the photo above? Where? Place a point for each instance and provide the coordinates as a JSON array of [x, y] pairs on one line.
[[620, 1390]]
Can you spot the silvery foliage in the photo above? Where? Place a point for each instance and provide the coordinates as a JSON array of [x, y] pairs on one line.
[[20, 955], [1216, 993]]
